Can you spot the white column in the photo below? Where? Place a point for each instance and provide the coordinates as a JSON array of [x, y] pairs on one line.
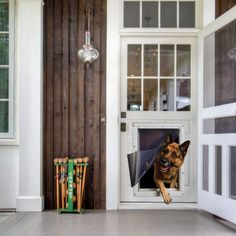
[[29, 76], [113, 85], [208, 11]]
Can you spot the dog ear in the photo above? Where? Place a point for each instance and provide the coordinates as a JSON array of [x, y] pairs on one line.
[[184, 147], [169, 139]]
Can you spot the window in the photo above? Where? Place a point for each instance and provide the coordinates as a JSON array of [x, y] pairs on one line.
[[159, 14], [159, 77], [6, 68]]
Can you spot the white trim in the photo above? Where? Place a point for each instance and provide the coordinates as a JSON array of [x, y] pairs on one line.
[[30, 77], [158, 206], [30, 204], [218, 23], [113, 106]]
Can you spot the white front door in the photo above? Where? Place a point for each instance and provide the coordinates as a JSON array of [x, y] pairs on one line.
[[158, 96], [217, 121]]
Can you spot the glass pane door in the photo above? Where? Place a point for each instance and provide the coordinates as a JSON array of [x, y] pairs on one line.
[[217, 133]]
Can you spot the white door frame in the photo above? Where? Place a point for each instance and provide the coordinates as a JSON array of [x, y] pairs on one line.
[[186, 122]]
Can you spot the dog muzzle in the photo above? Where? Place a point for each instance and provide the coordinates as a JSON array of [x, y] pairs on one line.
[[164, 165]]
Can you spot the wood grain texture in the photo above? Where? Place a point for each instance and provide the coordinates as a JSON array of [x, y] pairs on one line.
[[74, 96], [221, 6]]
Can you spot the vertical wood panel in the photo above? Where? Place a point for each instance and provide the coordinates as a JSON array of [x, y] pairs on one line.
[[81, 94], [48, 106], [103, 23], [223, 5], [57, 81], [65, 79], [75, 96]]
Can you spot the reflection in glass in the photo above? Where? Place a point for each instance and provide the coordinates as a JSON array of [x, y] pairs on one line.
[[183, 97], [232, 180], [167, 60], [134, 60], [150, 95], [150, 60], [3, 83], [183, 60], [186, 14], [4, 49], [150, 14], [169, 14], [134, 95], [3, 116], [205, 167], [219, 125], [166, 95], [131, 14], [219, 71], [218, 170], [4, 16]]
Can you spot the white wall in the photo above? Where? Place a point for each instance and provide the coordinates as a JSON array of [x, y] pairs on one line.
[[21, 165], [8, 174]]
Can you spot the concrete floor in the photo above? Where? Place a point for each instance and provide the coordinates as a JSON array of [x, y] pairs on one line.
[[114, 223]]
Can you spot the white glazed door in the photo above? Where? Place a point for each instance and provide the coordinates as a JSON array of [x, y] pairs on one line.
[[158, 92], [217, 120]]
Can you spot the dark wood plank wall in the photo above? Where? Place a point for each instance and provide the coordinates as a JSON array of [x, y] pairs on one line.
[[223, 5], [74, 96]]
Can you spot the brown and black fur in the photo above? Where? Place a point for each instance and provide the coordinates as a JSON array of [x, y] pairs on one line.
[[167, 165]]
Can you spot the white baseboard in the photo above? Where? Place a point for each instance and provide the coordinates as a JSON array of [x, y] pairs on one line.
[[157, 206], [29, 204]]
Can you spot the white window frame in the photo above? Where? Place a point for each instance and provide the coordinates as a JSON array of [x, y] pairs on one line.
[[11, 88], [198, 17]]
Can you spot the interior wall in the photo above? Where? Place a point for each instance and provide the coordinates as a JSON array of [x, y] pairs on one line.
[[74, 95]]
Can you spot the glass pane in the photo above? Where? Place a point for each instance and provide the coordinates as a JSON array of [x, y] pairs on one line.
[[150, 60], [4, 49], [131, 14], [134, 95], [219, 125], [220, 67], [3, 83], [134, 60], [3, 116], [150, 14], [205, 167], [183, 60], [4, 16], [183, 96], [167, 57], [150, 95], [232, 181], [187, 14], [218, 170], [167, 95], [169, 14]]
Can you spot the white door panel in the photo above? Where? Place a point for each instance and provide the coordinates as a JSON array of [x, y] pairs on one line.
[[217, 120], [153, 116]]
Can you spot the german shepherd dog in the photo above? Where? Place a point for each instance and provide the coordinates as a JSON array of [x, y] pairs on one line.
[[167, 165]]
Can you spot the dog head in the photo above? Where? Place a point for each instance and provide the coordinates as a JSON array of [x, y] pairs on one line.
[[172, 155]]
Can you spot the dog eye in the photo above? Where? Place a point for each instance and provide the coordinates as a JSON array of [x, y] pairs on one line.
[[166, 151]]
